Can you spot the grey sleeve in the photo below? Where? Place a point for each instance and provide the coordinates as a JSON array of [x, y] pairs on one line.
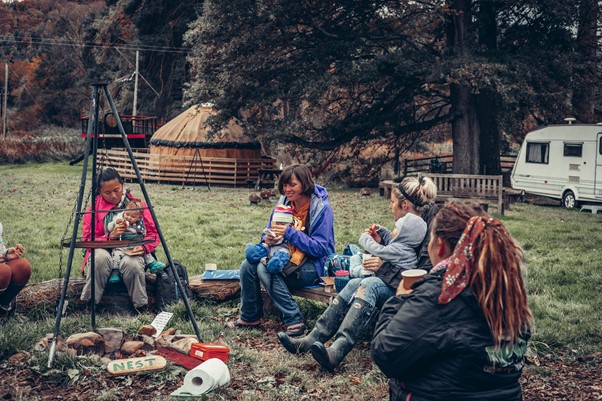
[[385, 234], [400, 250], [395, 252]]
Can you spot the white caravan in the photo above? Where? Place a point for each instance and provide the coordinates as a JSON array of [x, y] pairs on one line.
[[561, 162]]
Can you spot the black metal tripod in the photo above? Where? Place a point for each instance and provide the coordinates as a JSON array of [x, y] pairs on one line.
[[197, 152], [91, 148]]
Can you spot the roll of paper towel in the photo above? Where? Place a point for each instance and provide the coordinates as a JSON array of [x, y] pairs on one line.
[[208, 376]]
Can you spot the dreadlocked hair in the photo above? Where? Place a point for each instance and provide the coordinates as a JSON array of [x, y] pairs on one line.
[[498, 263], [497, 282]]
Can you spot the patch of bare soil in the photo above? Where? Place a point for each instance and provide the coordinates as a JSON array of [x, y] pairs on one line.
[[563, 377], [552, 377]]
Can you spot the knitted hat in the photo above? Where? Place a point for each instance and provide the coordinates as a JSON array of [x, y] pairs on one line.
[[282, 214]]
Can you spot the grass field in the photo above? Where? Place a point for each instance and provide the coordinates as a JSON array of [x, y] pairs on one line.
[[563, 250]]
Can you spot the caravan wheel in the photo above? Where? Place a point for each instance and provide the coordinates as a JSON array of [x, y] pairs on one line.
[[568, 200]]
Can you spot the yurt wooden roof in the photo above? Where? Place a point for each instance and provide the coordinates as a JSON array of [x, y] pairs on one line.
[[189, 130]]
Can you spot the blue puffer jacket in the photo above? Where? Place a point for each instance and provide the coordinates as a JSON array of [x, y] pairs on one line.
[[434, 352], [320, 241]]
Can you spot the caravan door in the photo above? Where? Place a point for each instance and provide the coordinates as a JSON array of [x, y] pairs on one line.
[[598, 177]]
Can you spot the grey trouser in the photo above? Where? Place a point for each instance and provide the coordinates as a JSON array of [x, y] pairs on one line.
[[118, 255], [132, 273]]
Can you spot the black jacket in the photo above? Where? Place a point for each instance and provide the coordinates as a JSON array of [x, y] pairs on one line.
[[440, 352]]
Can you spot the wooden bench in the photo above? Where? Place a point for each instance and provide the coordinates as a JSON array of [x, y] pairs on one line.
[[267, 178], [316, 294], [485, 189], [385, 187]]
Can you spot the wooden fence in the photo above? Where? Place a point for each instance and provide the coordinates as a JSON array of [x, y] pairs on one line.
[[185, 169], [443, 164]]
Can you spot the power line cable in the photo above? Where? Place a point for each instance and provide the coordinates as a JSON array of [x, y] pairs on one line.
[[57, 42], [138, 72]]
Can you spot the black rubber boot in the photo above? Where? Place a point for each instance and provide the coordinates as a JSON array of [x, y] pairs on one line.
[[10, 293], [8, 299], [356, 322], [323, 330]]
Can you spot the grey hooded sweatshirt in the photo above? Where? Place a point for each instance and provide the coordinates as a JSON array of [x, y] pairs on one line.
[[399, 253]]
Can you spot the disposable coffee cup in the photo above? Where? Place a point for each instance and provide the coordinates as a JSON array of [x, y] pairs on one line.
[[210, 266], [366, 272], [411, 276]]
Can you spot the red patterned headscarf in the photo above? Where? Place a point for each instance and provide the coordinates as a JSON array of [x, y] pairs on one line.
[[459, 272]]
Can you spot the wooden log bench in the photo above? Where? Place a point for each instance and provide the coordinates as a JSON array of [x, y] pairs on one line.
[[223, 290], [484, 189], [47, 292]]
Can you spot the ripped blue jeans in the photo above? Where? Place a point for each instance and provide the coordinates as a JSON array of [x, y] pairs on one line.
[[376, 292]]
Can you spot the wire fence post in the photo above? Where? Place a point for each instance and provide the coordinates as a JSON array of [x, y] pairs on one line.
[[5, 102]]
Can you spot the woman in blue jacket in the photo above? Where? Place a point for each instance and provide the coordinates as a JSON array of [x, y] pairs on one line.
[[461, 333], [310, 205]]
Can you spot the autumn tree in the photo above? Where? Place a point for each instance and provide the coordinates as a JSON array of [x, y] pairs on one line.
[[62, 47], [44, 40]]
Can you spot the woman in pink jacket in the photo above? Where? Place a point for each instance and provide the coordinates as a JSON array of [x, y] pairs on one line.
[[111, 199]]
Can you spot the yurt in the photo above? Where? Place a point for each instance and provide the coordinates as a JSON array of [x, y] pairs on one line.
[[188, 131], [184, 144]]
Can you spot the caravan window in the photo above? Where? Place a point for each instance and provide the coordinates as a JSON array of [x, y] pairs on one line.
[[538, 152], [573, 149]]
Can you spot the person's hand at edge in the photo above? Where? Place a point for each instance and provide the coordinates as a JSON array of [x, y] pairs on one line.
[[372, 264]]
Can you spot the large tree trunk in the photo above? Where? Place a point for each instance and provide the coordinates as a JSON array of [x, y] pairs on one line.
[[465, 131], [490, 137], [586, 73], [465, 124], [487, 110]]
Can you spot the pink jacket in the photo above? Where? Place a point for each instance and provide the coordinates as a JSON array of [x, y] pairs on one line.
[[103, 208]]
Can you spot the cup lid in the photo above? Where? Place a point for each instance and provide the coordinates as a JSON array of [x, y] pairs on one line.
[[341, 273], [413, 273]]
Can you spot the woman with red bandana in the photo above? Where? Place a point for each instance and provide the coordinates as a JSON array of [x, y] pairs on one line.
[[462, 332]]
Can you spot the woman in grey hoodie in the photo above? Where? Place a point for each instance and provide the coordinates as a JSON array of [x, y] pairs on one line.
[[355, 308]]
